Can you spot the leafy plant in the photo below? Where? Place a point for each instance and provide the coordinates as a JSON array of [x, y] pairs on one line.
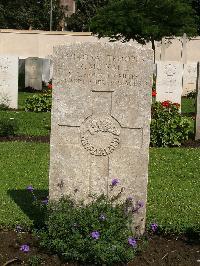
[[4, 107], [168, 127], [99, 232], [35, 260], [8, 127], [192, 95], [39, 103]]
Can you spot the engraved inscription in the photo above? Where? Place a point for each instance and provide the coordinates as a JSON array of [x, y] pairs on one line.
[[100, 136]]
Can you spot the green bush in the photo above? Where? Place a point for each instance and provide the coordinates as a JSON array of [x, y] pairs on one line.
[[97, 233], [168, 127], [8, 127], [4, 107], [39, 103]]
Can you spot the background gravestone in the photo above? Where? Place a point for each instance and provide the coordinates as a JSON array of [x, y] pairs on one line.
[[100, 121], [189, 78], [33, 72], [9, 81], [197, 135], [169, 81], [46, 70]]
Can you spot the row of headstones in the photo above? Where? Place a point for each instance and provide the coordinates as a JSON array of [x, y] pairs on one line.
[[174, 80], [18, 73]]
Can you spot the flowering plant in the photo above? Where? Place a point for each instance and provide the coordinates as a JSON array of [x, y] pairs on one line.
[[97, 233], [168, 127]]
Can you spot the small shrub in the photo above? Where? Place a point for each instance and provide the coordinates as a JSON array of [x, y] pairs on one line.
[[168, 127], [39, 103], [191, 95], [97, 233], [8, 127], [4, 107]]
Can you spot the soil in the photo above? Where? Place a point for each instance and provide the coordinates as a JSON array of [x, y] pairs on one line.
[[159, 251]]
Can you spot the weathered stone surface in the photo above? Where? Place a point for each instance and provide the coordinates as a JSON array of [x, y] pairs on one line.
[[169, 81], [197, 135], [100, 121], [189, 78], [9, 81], [33, 72]]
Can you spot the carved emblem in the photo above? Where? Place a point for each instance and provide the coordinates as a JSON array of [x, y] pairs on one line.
[[100, 135]]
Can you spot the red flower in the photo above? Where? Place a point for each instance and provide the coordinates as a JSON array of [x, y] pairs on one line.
[[50, 86], [154, 93], [166, 103]]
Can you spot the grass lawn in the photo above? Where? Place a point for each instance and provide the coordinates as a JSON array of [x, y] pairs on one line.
[[30, 123], [174, 185], [187, 105]]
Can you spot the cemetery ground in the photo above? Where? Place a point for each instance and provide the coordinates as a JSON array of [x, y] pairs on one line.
[[173, 196]]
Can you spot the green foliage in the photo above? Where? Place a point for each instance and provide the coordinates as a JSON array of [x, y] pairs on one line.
[[192, 95], [8, 127], [85, 10], [35, 260], [3, 107], [168, 127], [23, 14], [39, 103], [144, 20], [70, 226]]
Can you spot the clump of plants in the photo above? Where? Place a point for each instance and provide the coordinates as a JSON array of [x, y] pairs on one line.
[[99, 232], [168, 127], [39, 103], [8, 127], [4, 107]]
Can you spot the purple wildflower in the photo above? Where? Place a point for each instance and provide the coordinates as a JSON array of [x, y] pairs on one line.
[[25, 248], [45, 202], [102, 217], [115, 181], [154, 227], [139, 205], [130, 198], [132, 242], [95, 235], [30, 188]]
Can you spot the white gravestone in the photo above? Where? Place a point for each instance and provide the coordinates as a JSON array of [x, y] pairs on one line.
[[9, 81], [189, 78], [100, 121], [169, 81], [33, 72]]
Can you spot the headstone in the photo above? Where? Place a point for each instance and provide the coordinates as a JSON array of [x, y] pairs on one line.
[[9, 81], [100, 121], [46, 70], [33, 73], [21, 78], [189, 78], [197, 135], [169, 81]]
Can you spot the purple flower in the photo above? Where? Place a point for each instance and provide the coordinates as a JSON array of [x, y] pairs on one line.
[[102, 217], [139, 205], [25, 248], [95, 235], [130, 198], [154, 227], [46, 201], [132, 242], [30, 188], [115, 181]]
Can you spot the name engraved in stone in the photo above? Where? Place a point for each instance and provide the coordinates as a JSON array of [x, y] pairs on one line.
[[100, 136]]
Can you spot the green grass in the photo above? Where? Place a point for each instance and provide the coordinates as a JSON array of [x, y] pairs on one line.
[[30, 123], [174, 188], [173, 193], [22, 98], [22, 164], [187, 105]]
